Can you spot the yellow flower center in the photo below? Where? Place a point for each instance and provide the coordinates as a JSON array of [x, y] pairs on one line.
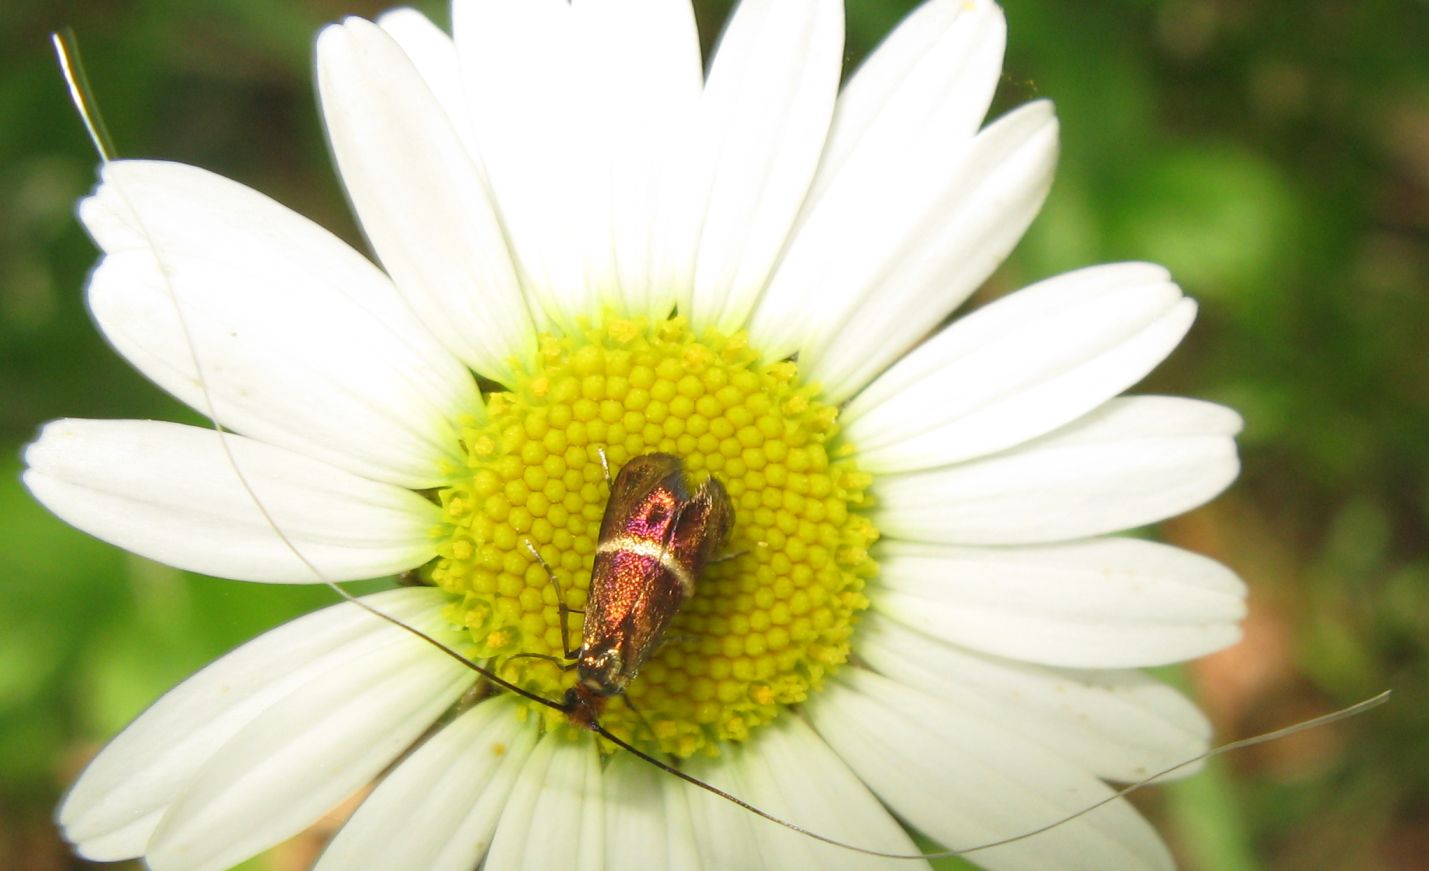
[[765, 624]]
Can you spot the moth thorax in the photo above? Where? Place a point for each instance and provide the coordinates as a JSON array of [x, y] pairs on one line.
[[601, 671]]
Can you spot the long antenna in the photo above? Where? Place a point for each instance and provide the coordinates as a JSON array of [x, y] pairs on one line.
[[67, 51], [1315, 723], [66, 48]]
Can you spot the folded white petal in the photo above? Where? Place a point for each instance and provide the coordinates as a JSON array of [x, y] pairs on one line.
[[580, 112], [1098, 603], [788, 771], [923, 247], [123, 842], [438, 810], [965, 781], [226, 505], [421, 200], [974, 390], [753, 152], [553, 818], [519, 65], [1133, 461], [639, 81], [313, 748], [1118, 724], [432, 52], [932, 78], [113, 809], [898, 129], [298, 340]]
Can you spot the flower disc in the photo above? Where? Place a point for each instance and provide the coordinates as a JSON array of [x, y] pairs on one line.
[[767, 620]]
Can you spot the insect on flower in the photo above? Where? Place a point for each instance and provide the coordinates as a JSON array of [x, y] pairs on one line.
[[655, 539], [750, 297]]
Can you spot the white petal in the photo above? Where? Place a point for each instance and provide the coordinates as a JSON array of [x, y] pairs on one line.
[[432, 52], [932, 78], [639, 82], [1099, 603], [112, 810], [171, 493], [580, 182], [1131, 462], [727, 835], [553, 818], [753, 152], [300, 342], [518, 63], [647, 819], [1121, 725], [421, 200], [972, 390], [312, 749], [439, 808], [898, 128], [790, 772], [922, 248], [965, 781]]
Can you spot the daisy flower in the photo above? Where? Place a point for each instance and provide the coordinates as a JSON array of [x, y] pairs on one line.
[[591, 249]]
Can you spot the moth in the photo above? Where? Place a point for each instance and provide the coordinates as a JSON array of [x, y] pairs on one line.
[[655, 540]]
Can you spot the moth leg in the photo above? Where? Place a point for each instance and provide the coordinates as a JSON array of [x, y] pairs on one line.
[[566, 611], [562, 664]]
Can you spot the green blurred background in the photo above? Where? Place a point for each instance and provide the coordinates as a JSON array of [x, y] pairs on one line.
[[1274, 154]]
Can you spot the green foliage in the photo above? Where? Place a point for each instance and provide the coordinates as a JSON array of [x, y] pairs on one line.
[[1274, 154]]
